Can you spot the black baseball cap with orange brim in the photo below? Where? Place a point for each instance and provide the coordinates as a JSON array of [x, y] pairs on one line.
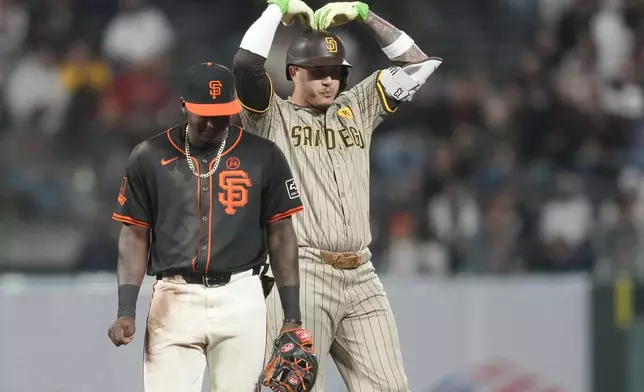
[[209, 91]]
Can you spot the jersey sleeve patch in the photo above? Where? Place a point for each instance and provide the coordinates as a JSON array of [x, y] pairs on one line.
[[291, 189]]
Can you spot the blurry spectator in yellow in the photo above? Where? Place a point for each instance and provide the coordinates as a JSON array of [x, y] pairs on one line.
[[617, 238], [81, 70], [85, 77]]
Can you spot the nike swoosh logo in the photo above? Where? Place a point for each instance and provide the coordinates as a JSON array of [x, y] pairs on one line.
[[168, 161]]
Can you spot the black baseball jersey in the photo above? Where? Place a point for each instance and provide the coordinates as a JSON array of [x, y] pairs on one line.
[[217, 224]]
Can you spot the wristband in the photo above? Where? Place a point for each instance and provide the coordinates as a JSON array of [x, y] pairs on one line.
[[293, 321], [290, 298], [399, 46], [128, 293]]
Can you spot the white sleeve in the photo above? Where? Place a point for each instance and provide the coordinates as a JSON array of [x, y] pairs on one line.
[[259, 36]]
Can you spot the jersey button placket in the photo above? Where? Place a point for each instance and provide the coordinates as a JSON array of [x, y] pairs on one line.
[[204, 209]]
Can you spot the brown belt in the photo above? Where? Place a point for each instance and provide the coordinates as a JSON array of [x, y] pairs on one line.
[[345, 260]]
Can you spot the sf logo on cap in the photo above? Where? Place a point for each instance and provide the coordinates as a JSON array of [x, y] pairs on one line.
[[215, 88], [331, 44]]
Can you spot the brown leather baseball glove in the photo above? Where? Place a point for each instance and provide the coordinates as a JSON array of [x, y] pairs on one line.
[[293, 367]]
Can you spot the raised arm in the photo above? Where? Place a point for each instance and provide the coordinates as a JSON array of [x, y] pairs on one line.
[[411, 67], [393, 41], [254, 86]]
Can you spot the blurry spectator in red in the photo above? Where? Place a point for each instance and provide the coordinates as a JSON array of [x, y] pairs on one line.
[[402, 256], [407, 255], [139, 33], [136, 101], [35, 95]]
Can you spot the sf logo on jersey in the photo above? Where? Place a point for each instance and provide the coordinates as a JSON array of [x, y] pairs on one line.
[[235, 184]]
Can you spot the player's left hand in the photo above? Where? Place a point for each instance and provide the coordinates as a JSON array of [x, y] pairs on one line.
[[292, 9], [293, 366], [336, 14]]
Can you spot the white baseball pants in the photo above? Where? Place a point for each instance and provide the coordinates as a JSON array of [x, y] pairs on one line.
[[190, 326]]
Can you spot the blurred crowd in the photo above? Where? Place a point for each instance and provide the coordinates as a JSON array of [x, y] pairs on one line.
[[524, 152]]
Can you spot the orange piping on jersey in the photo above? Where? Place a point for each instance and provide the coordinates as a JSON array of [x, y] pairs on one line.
[[196, 162], [285, 214], [241, 130], [173, 143], [130, 221], [383, 97], [270, 99], [210, 218]]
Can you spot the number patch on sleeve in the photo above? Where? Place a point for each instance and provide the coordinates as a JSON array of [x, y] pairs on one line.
[[291, 189]]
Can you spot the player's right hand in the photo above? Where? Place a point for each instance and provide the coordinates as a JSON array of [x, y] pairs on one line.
[[122, 331], [292, 9]]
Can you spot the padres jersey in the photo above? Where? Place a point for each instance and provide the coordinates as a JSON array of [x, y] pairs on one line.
[[217, 224], [328, 152]]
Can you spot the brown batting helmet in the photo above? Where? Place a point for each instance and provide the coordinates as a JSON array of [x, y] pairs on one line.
[[314, 48]]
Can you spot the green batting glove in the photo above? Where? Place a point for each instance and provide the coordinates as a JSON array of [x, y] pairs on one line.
[[292, 9], [336, 14]]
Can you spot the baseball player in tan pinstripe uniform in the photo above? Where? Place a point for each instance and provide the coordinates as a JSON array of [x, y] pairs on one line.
[[325, 133]]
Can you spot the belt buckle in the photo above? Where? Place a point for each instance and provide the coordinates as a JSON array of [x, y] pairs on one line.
[[213, 281], [344, 256], [336, 261]]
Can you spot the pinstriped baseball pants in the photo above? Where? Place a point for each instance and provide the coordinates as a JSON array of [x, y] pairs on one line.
[[350, 317]]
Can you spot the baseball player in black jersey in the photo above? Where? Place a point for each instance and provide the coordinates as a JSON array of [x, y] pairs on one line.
[[202, 205]]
